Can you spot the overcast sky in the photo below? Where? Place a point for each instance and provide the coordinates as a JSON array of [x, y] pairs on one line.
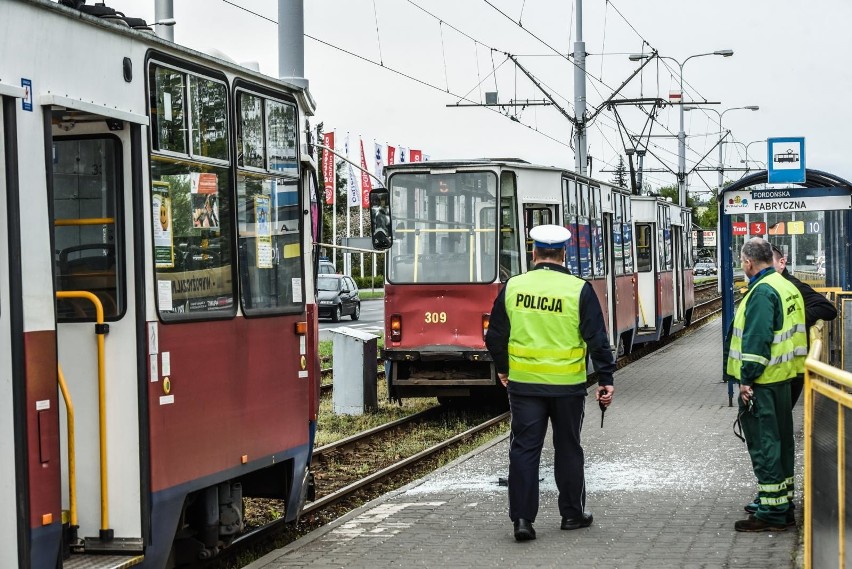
[[790, 58]]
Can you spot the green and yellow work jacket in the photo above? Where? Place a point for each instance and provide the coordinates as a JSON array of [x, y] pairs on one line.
[[768, 342]]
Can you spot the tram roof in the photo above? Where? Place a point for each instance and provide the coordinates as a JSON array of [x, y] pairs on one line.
[[151, 39], [517, 163]]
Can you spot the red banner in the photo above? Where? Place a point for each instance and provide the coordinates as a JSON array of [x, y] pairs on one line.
[[740, 228], [328, 167], [415, 155], [366, 184], [391, 154]]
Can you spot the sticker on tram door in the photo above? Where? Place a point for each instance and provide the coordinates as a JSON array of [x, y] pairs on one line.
[[757, 228]]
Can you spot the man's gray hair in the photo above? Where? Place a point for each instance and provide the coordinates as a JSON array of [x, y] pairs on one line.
[[758, 250]]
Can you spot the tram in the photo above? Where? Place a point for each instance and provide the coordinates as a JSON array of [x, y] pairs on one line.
[[461, 229], [157, 308]]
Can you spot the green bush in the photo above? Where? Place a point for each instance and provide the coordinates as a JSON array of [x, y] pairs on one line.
[[370, 282]]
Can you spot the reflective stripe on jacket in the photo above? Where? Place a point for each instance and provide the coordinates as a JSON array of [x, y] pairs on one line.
[[544, 312], [787, 347]]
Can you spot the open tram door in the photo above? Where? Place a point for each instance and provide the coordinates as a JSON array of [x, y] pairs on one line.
[[94, 187], [536, 214]]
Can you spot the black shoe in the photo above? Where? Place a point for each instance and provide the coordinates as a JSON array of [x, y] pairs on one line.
[[583, 521], [790, 521], [524, 530], [756, 524], [752, 506]]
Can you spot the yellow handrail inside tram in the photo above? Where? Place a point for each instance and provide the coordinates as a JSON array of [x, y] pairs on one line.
[[72, 452], [99, 318], [84, 221]]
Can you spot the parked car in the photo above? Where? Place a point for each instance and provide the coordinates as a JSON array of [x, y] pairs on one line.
[[326, 268], [704, 269], [337, 296]]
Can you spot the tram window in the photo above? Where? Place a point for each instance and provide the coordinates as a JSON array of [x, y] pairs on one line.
[[627, 236], [87, 233], [617, 237], [664, 235], [192, 248], [209, 118], [250, 132], [584, 248], [281, 137], [169, 128], [438, 239], [644, 248], [597, 241], [572, 258], [270, 252], [510, 249]]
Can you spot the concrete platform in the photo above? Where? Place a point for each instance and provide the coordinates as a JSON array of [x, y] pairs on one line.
[[666, 480]]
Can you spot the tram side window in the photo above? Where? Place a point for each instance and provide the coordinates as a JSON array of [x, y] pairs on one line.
[[510, 248], [627, 236], [87, 233], [209, 118], [664, 232], [617, 237], [584, 232], [597, 241], [281, 137], [570, 215], [169, 125], [250, 132], [644, 248]]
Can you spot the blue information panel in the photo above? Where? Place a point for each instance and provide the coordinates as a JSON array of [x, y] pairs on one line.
[[786, 160]]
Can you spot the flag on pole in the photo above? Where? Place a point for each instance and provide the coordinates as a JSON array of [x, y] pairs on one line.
[[402, 154], [380, 164], [391, 155], [353, 199], [366, 184], [328, 167], [415, 155]]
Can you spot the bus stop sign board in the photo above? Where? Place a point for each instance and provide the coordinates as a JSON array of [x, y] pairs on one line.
[[780, 200], [786, 160]]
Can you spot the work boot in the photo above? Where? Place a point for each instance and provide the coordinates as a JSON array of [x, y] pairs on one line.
[[524, 530], [583, 521], [790, 521], [754, 524]]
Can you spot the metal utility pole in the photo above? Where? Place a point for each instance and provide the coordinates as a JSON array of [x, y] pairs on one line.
[[291, 42], [164, 19], [580, 141]]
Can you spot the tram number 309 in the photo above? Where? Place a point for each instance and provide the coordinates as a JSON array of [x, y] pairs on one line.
[[436, 317]]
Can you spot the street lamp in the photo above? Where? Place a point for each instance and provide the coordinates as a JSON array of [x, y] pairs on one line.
[[721, 134], [681, 136]]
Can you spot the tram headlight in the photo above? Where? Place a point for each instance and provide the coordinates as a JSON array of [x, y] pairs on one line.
[[396, 327], [485, 320]]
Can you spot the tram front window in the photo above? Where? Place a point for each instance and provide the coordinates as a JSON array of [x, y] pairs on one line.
[[445, 228]]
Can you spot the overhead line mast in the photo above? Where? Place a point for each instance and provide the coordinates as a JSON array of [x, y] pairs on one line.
[[580, 139]]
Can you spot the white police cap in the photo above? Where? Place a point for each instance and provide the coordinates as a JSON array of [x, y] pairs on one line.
[[549, 236]]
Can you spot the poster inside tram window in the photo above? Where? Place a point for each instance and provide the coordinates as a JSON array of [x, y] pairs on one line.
[[164, 251], [205, 203], [263, 236]]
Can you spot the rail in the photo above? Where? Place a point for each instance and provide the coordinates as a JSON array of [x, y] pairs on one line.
[[72, 449], [828, 401], [100, 332]]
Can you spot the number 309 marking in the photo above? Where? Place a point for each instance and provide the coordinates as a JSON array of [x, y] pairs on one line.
[[436, 317]]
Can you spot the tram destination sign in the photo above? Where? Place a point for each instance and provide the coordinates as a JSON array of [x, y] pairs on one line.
[[787, 199]]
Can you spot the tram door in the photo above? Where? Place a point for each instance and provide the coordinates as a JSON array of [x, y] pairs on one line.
[[92, 199], [677, 273], [8, 524], [536, 214], [646, 253]]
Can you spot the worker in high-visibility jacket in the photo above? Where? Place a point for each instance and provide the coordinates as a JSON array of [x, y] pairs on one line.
[[767, 348], [543, 326]]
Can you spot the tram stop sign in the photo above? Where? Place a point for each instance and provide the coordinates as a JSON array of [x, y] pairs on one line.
[[785, 162]]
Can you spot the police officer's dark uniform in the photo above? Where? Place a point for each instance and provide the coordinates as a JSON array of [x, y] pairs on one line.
[[543, 326]]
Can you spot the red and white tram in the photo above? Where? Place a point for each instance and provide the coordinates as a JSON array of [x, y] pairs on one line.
[[170, 193], [460, 230]]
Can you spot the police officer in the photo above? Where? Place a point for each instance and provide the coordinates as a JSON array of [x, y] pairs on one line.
[[543, 326], [767, 349]]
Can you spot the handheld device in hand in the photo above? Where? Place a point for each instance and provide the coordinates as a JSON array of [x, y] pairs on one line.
[[602, 406]]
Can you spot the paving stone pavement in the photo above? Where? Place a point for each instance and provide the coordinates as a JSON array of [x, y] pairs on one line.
[[666, 480]]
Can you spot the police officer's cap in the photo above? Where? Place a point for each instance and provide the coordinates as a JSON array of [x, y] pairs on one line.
[[550, 236]]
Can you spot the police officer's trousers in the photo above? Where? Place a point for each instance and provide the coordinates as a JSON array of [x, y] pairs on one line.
[[768, 431], [529, 426]]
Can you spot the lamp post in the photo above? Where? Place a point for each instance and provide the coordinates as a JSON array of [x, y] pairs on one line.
[[746, 152], [722, 133], [681, 136]]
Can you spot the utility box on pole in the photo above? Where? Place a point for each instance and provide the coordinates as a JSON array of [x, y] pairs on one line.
[[355, 356]]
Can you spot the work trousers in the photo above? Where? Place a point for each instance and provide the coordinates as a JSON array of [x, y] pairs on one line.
[[768, 431], [530, 415]]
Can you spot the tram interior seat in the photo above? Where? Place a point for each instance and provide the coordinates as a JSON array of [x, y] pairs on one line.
[[89, 267]]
